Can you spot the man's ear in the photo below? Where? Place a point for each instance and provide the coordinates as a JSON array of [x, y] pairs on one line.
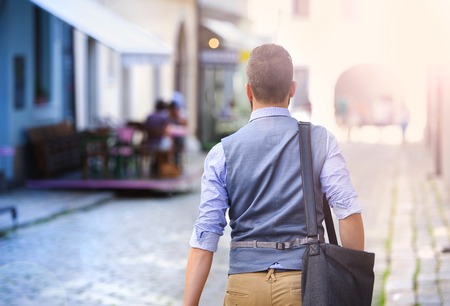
[[249, 92], [293, 88]]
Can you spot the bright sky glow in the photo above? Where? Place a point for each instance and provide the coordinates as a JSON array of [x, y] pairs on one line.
[[407, 37]]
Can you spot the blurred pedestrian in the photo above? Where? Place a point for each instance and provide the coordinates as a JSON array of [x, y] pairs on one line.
[[157, 141], [404, 121], [255, 174], [178, 99], [157, 127]]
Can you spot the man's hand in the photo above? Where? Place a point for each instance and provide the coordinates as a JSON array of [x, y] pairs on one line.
[[351, 231]]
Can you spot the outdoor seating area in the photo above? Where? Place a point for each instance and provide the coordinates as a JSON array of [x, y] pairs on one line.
[[127, 152], [130, 151]]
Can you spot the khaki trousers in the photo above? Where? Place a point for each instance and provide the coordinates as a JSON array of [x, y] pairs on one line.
[[268, 288]]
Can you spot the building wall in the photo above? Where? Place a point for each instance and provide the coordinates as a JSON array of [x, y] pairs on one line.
[[17, 34], [410, 39], [434, 128], [446, 127], [438, 124], [18, 40], [80, 71], [99, 77], [148, 15], [403, 36], [109, 82], [4, 90], [18, 25]]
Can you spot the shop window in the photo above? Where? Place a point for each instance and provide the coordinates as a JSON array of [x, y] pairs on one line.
[[19, 81], [42, 57]]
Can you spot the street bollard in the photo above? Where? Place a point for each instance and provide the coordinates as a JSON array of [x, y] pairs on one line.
[[4, 153], [13, 211]]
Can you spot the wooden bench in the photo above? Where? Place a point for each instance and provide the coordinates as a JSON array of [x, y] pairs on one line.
[[56, 148]]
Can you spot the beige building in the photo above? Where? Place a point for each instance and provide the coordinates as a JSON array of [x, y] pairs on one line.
[[206, 75], [225, 41], [438, 123], [175, 23], [329, 40], [361, 63]]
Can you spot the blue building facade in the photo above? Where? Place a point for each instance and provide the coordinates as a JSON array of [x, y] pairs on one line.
[[49, 55], [32, 82]]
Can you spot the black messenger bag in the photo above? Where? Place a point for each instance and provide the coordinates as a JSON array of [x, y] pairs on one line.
[[332, 275]]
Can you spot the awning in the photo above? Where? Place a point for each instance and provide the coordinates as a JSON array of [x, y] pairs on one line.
[[233, 37], [219, 57], [132, 42]]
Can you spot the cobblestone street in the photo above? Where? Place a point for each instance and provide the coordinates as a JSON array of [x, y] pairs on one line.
[[133, 250], [126, 252]]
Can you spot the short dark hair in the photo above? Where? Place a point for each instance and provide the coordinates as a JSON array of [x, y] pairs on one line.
[[161, 105], [270, 73]]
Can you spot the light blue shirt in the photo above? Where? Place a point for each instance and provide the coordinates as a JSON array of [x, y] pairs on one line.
[[211, 221]]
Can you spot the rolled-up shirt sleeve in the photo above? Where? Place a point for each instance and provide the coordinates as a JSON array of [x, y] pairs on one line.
[[336, 183], [211, 220]]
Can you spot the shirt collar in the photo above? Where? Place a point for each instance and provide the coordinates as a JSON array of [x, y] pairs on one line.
[[269, 112]]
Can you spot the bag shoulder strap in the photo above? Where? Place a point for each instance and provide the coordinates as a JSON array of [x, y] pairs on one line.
[[308, 187], [331, 232]]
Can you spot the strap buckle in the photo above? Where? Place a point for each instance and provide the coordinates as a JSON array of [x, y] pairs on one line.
[[313, 239], [280, 246]]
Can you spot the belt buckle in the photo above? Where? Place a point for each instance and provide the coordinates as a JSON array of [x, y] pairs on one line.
[[280, 246]]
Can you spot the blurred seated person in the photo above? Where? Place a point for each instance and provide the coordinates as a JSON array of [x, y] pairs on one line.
[[178, 99], [157, 143], [156, 125], [177, 129]]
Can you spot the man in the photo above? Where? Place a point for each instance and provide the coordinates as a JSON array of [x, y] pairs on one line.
[[255, 174], [157, 138]]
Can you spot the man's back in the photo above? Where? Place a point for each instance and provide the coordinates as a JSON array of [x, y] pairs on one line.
[[250, 183], [265, 188], [157, 120], [156, 125]]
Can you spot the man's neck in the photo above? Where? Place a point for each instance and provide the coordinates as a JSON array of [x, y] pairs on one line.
[[258, 105]]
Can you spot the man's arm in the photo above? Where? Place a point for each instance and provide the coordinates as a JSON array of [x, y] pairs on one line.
[[209, 226], [197, 270], [351, 231]]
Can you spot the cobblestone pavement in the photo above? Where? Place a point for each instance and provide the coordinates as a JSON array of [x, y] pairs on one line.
[[407, 222], [133, 250], [126, 252]]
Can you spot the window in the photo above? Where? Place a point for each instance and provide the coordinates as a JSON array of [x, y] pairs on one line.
[[42, 57], [67, 73], [19, 81], [301, 8]]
